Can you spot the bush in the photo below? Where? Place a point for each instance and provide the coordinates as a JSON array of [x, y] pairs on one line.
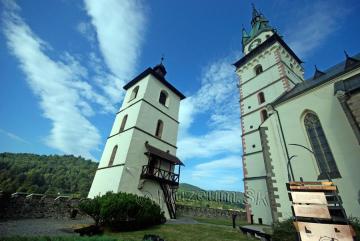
[[284, 231], [355, 222], [123, 211]]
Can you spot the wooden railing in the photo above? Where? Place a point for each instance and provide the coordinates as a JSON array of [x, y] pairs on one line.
[[160, 175]]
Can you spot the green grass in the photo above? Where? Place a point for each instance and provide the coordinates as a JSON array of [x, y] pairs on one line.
[[60, 238], [185, 232], [220, 221]]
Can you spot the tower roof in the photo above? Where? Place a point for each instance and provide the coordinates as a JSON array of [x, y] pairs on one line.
[[158, 72], [259, 24]]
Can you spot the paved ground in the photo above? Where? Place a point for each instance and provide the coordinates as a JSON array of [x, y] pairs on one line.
[[44, 227]]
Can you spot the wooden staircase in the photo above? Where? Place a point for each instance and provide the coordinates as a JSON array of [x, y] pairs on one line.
[[318, 212], [170, 200]]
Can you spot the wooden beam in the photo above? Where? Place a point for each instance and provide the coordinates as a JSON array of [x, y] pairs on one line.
[[311, 211], [308, 197]]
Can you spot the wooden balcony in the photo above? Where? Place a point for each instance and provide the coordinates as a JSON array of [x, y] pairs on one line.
[[160, 175]]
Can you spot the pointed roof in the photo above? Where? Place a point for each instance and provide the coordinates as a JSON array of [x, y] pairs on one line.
[[317, 73], [350, 61], [259, 24]]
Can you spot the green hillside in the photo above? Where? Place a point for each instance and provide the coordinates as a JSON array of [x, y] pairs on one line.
[[51, 174], [185, 187], [194, 196]]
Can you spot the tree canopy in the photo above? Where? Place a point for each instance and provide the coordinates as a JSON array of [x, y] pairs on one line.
[[46, 174]]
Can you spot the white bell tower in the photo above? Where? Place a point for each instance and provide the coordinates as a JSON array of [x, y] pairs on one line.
[[268, 69], [140, 153]]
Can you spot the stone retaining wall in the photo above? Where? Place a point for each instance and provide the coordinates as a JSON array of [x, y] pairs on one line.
[[25, 205]]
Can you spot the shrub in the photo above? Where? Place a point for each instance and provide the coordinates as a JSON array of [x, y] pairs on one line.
[[123, 211], [284, 231], [355, 222]]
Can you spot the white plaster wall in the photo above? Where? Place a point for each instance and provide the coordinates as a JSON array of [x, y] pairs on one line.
[[266, 59], [141, 92], [253, 139], [339, 135], [253, 120], [152, 94], [148, 119], [105, 180], [132, 113], [297, 69], [255, 165], [260, 81], [259, 201], [123, 141]]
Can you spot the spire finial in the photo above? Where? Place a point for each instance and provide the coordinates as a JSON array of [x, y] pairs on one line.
[[162, 59], [255, 12], [346, 54]]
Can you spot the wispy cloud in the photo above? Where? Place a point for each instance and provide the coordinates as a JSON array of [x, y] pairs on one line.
[[221, 173], [218, 149], [13, 136], [218, 100], [66, 96], [119, 29], [313, 24]]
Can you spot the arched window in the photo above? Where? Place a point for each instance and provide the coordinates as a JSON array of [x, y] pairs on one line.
[[258, 69], [263, 115], [320, 147], [261, 97], [112, 157], [123, 123], [159, 128], [134, 93], [163, 97]]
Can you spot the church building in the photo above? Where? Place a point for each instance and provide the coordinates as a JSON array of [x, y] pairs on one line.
[[294, 128], [140, 153]]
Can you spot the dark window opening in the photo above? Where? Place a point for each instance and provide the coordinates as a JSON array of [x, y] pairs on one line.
[[112, 157], [261, 97], [260, 221], [320, 146], [159, 129], [264, 115], [123, 123], [258, 69], [163, 98], [134, 93]]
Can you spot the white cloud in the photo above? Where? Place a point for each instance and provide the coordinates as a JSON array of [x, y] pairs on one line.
[[13, 136], [120, 28], [224, 173], [218, 100], [63, 95], [314, 24]]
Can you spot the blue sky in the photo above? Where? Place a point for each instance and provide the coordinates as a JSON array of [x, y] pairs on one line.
[[63, 65]]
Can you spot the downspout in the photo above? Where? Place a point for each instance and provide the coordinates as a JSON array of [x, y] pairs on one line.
[[284, 140]]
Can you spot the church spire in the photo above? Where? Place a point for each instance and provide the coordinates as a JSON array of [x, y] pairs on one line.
[[259, 24]]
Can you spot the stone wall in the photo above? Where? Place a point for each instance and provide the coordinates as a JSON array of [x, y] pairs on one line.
[[25, 205], [184, 210]]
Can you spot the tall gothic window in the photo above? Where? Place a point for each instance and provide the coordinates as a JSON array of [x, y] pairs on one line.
[[112, 157], [163, 97], [322, 152], [261, 97], [123, 123], [258, 69], [159, 128], [264, 115], [134, 93]]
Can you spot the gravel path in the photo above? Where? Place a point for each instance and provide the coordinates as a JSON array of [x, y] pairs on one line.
[[43, 227]]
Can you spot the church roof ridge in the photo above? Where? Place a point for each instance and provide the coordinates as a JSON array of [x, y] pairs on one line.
[[329, 74]]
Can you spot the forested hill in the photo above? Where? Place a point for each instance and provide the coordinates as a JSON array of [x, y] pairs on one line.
[[51, 174]]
